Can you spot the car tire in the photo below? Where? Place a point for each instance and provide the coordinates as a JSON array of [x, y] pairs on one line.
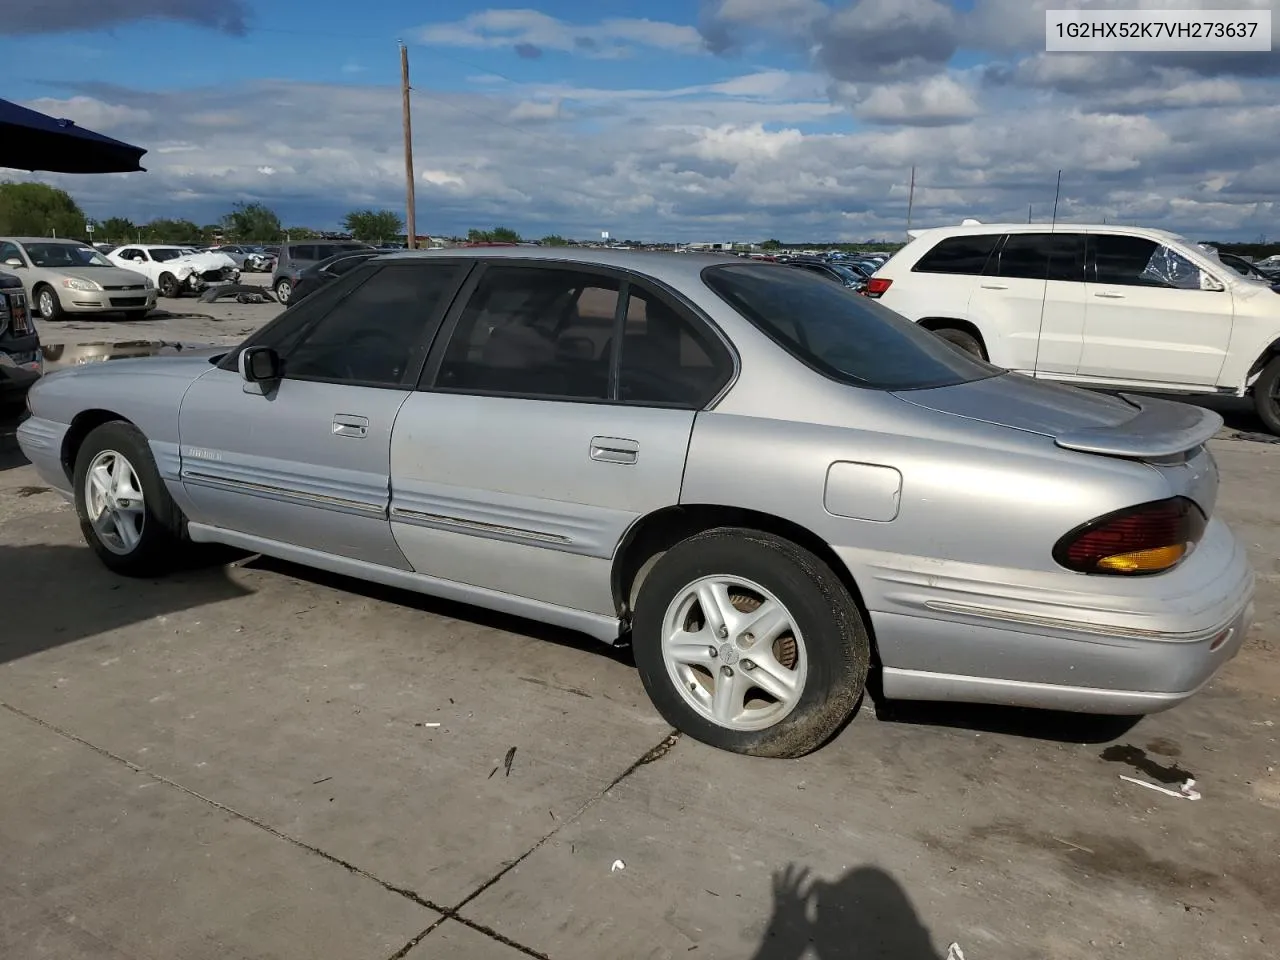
[[47, 303], [821, 654], [136, 539], [168, 286], [963, 341], [284, 291], [1266, 396]]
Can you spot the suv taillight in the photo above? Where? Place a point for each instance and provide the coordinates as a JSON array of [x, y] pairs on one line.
[[876, 286], [1149, 538]]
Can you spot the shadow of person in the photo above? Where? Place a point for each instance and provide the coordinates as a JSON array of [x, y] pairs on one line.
[[865, 915]]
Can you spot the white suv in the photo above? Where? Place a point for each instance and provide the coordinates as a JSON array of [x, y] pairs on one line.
[[1098, 306]]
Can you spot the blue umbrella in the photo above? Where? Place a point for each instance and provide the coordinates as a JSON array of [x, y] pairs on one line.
[[34, 141]]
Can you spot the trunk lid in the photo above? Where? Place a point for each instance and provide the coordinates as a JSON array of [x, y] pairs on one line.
[[1139, 428]]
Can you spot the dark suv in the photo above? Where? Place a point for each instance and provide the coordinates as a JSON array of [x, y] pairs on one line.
[[20, 361], [296, 257]]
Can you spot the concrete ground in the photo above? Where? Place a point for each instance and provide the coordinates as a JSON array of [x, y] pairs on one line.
[[261, 761]]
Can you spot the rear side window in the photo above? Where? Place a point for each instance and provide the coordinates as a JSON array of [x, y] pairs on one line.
[[303, 251], [666, 361], [958, 255], [843, 336], [1042, 256]]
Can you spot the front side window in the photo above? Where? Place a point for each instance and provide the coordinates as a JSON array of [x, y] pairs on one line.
[[372, 335], [1139, 262], [1042, 256], [9, 251], [846, 337], [966, 254]]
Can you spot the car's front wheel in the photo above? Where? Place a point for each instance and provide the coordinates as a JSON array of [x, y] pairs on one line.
[[750, 643], [1266, 396], [168, 285], [284, 291], [126, 514], [48, 304]]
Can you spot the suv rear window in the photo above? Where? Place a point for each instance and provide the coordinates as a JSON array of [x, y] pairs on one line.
[[964, 255], [840, 334]]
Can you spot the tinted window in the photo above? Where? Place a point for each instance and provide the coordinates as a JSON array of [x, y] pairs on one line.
[[967, 255], [343, 264], [1139, 262], [1041, 256], [372, 334], [842, 335], [666, 360], [303, 251], [9, 251], [534, 332], [130, 253]]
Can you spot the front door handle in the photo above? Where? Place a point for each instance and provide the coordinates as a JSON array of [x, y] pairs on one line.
[[345, 425], [1108, 295], [614, 450], [995, 286]]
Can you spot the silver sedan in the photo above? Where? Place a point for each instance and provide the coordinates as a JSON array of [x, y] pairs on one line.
[[766, 484]]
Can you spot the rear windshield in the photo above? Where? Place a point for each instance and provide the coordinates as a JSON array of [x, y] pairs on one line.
[[841, 334]]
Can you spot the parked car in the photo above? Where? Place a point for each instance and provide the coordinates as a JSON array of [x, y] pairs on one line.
[[238, 254], [765, 483], [831, 270], [1099, 306], [1247, 269], [296, 257], [66, 276], [259, 261], [176, 270], [20, 358], [326, 271]]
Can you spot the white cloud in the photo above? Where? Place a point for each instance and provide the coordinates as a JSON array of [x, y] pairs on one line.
[[933, 101], [531, 32]]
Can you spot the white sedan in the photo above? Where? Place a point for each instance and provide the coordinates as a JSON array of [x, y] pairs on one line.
[[176, 270]]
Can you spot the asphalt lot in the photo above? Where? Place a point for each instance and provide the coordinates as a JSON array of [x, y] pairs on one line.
[[257, 760]]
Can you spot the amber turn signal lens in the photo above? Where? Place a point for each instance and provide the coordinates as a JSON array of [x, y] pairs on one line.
[[1145, 561]]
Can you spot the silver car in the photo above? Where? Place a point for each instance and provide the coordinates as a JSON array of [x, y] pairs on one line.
[[66, 276], [766, 484]]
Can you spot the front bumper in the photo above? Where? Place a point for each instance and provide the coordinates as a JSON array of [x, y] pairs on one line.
[[106, 301], [21, 364], [1067, 642]]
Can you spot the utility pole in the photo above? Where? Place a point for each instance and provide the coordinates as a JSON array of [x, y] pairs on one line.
[[1028, 213], [911, 199], [411, 226]]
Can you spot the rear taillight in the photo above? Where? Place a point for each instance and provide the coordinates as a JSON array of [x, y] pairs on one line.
[[1149, 538], [877, 285]]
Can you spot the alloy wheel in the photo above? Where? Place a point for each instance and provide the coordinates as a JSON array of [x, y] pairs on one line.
[[114, 502]]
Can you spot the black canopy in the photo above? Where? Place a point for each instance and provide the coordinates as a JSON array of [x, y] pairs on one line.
[[33, 141]]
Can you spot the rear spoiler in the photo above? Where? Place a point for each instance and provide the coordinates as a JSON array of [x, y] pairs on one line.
[[1161, 428]]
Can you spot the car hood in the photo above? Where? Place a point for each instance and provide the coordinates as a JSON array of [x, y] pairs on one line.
[[166, 360], [106, 276], [203, 261], [1075, 419]]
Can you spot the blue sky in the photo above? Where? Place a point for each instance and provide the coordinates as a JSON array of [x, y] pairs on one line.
[[721, 119]]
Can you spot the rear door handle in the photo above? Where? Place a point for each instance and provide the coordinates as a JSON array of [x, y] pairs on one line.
[[1108, 295], [995, 286], [614, 450], [345, 425]]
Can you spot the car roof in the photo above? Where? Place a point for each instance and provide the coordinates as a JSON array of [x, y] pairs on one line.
[[674, 268], [78, 243], [985, 228]]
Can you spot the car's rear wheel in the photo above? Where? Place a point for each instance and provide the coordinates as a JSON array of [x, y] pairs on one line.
[[963, 341], [48, 304], [749, 643], [284, 290], [167, 285], [126, 514], [1266, 396]]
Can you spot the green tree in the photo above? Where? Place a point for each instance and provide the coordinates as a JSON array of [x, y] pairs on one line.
[[252, 223], [171, 231], [116, 230], [38, 210], [555, 240], [496, 235], [771, 244], [301, 233], [373, 226], [210, 232]]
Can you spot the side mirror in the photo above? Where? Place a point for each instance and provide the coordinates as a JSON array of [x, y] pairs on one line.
[[14, 262], [138, 260], [259, 365]]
